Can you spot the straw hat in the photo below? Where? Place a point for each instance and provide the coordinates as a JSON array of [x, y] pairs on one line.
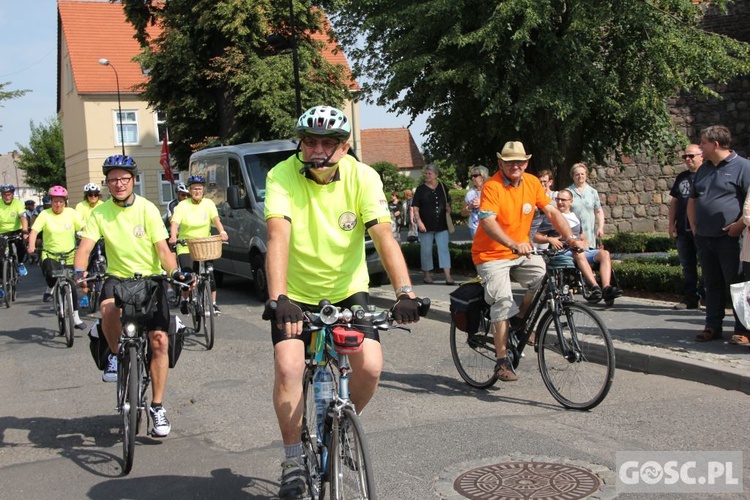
[[513, 151]]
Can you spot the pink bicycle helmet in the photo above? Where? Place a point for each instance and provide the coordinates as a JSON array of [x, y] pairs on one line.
[[58, 191]]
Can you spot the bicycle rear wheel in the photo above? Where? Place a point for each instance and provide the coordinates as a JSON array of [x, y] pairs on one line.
[[208, 314], [351, 473], [67, 312], [474, 354], [7, 282], [579, 371], [127, 385]]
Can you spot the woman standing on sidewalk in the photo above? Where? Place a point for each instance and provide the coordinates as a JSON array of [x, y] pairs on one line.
[[479, 174], [430, 205]]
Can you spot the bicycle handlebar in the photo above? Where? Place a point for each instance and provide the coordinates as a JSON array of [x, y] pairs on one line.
[[552, 252]]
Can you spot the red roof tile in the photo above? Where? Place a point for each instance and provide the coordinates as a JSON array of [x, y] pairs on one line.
[[394, 145]]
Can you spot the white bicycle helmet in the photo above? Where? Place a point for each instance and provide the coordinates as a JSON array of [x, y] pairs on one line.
[[324, 120], [182, 188], [91, 188]]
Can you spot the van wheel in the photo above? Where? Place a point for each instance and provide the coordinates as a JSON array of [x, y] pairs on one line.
[[260, 283]]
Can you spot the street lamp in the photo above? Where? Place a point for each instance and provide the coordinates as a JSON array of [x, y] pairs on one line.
[[105, 62]]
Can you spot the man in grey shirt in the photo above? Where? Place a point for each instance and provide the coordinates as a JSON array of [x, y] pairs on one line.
[[715, 216]]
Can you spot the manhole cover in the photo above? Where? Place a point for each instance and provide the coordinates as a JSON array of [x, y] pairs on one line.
[[527, 480]]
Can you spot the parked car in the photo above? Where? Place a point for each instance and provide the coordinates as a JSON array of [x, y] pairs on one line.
[[236, 182]]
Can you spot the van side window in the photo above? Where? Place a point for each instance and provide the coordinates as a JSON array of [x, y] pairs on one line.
[[258, 166], [235, 177]]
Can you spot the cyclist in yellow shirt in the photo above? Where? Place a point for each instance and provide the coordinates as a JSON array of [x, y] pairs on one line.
[[13, 222], [58, 225], [92, 198], [136, 241], [193, 218]]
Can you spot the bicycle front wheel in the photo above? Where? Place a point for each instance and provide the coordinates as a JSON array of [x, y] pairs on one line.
[[310, 444], [351, 473], [474, 354], [67, 318], [7, 282], [127, 383], [208, 314], [578, 362]]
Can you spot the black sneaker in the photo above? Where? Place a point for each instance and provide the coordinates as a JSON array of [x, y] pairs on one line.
[[161, 424], [217, 311], [47, 297], [183, 307], [595, 295], [293, 480]]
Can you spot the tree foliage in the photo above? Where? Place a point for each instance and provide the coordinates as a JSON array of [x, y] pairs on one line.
[[44, 158], [572, 79], [217, 78], [6, 95], [392, 179]]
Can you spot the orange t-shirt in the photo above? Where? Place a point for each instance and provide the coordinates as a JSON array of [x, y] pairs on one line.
[[514, 207]]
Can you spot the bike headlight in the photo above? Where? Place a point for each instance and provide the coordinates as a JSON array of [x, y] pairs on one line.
[[329, 314], [130, 330]]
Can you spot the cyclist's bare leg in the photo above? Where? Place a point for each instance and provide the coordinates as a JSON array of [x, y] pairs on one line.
[[289, 367], [605, 267], [111, 325], [159, 368], [500, 337], [366, 368]]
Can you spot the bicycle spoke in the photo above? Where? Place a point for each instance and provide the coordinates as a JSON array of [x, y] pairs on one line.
[[351, 472], [474, 355]]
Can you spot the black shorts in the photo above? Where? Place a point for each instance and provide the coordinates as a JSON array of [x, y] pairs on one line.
[[160, 319], [360, 299]]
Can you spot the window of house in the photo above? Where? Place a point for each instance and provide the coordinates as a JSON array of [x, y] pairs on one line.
[[166, 190], [161, 126], [129, 127], [138, 188]]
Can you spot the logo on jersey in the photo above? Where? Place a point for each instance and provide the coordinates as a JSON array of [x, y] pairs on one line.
[[527, 208], [69, 225], [347, 221], [139, 231]]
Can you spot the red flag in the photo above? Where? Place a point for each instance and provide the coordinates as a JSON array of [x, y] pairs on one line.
[[164, 159]]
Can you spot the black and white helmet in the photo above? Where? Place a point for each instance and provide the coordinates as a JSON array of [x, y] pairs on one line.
[[324, 120], [91, 188]]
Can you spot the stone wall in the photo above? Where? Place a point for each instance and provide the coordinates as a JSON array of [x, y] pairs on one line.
[[635, 196]]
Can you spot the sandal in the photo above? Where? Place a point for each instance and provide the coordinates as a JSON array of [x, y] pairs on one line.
[[707, 335], [450, 283], [428, 280], [740, 339]]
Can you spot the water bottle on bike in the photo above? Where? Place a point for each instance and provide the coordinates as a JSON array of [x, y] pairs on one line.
[[323, 391]]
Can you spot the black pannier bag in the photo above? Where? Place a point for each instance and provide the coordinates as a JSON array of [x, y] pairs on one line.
[[138, 299], [176, 334], [98, 345], [467, 302]]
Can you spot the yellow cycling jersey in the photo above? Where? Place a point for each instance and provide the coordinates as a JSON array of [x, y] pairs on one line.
[[129, 234], [58, 230], [327, 243], [85, 209], [10, 216], [194, 220]]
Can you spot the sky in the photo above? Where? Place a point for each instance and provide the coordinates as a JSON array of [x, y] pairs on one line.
[[28, 44]]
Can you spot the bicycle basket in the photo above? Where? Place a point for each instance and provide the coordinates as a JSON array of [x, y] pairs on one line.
[[466, 306], [205, 248], [138, 299], [347, 341]]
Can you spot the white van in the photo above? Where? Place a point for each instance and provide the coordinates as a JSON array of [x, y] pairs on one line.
[[236, 182]]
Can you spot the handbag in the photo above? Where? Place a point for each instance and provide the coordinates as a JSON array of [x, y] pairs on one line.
[[448, 218]]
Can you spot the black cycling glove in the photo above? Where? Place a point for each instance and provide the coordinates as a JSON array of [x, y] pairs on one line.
[[405, 310], [285, 311], [186, 278]]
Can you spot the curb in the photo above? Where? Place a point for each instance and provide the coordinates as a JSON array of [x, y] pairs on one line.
[[629, 356]]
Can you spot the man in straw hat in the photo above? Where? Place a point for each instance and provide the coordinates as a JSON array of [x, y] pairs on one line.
[[501, 245]]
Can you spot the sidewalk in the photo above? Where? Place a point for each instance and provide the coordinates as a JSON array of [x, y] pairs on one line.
[[649, 336]]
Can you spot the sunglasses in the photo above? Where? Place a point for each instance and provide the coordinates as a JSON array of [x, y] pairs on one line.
[[685, 157], [476, 175]]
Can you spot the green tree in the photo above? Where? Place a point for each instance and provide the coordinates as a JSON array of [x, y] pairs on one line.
[[215, 74], [6, 95], [392, 179], [44, 158], [572, 79]]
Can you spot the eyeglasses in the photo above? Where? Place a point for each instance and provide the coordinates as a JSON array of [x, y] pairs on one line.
[[564, 199], [120, 180], [476, 175], [685, 157], [326, 144], [94, 194]]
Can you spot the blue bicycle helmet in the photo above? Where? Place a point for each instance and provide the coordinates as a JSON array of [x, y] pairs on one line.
[[196, 179], [7, 188], [120, 161]]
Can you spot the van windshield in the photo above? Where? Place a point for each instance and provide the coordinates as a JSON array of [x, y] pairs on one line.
[[258, 166]]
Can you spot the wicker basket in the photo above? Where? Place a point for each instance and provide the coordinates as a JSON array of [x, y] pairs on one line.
[[205, 248]]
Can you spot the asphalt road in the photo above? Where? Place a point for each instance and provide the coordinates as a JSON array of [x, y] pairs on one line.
[[59, 433]]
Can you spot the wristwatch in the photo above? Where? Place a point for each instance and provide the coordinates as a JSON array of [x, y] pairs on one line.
[[404, 289]]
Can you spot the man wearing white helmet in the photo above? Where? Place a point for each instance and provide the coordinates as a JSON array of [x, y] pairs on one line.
[[183, 193], [319, 203]]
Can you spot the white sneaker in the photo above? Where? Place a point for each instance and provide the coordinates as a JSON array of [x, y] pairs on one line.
[[110, 372], [161, 424]]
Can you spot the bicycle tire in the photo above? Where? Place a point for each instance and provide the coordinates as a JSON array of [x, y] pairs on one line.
[[67, 310], [58, 301], [310, 444], [14, 280], [579, 383], [474, 354], [129, 408], [208, 314], [351, 472], [7, 282], [195, 310]]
